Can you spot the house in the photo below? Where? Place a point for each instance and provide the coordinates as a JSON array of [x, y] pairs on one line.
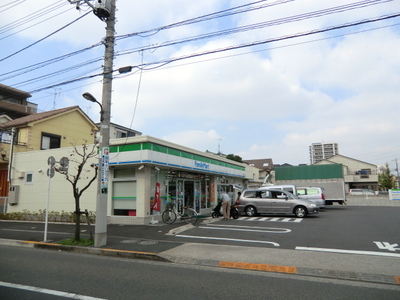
[[41, 131], [356, 173], [263, 169], [14, 104]]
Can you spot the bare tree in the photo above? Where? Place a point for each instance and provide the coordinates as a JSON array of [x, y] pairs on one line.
[[80, 157]]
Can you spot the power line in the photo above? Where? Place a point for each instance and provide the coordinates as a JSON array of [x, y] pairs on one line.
[[301, 34], [58, 30], [218, 33], [160, 63], [223, 13]]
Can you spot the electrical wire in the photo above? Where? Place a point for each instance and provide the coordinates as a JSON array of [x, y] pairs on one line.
[[227, 31], [42, 64], [207, 17], [286, 20], [10, 4], [58, 30], [160, 63], [287, 37]]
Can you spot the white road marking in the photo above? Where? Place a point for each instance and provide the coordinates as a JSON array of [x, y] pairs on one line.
[[226, 239], [271, 219], [348, 251], [247, 228], [47, 291]]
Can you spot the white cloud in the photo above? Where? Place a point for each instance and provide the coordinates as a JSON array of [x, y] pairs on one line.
[[267, 104]]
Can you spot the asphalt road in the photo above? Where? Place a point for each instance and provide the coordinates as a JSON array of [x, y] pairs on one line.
[[28, 273]]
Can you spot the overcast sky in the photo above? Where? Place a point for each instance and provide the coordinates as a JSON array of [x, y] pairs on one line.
[[272, 100]]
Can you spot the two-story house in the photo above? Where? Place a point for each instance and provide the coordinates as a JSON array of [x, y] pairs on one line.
[[41, 131], [357, 174]]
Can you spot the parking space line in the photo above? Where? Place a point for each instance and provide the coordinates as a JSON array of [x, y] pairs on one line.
[[227, 239], [274, 230], [348, 251]]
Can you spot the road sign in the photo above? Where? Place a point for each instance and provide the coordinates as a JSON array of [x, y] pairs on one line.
[[51, 161], [50, 172]]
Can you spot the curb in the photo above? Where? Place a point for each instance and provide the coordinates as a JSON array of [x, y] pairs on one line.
[[85, 250]]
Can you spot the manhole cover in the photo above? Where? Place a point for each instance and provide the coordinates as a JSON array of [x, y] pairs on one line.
[[129, 241], [148, 242]]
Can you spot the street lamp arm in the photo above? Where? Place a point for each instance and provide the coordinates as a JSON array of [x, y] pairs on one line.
[[91, 98]]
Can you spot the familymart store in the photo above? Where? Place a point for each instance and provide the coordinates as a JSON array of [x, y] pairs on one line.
[[147, 174]]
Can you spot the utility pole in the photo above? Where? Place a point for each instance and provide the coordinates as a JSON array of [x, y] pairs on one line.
[[106, 12]]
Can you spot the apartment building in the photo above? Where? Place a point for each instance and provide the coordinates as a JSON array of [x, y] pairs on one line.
[[321, 151]]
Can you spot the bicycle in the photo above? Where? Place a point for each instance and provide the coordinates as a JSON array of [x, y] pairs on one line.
[[189, 215]]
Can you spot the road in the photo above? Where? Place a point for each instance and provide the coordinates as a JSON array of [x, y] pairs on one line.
[[352, 228], [43, 274]]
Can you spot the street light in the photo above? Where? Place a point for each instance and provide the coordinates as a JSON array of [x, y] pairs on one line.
[[91, 98], [100, 237]]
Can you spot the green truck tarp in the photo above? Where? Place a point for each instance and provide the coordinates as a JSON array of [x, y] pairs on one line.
[[309, 172]]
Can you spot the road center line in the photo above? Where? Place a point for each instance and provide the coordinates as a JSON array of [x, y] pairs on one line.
[[275, 230], [47, 291], [226, 239]]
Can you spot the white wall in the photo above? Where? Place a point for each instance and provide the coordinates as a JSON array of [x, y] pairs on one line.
[[33, 196]]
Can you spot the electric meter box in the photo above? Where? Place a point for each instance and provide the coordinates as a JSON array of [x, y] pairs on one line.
[[13, 195], [102, 8]]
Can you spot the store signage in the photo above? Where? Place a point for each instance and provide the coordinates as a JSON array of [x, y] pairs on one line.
[[201, 165], [104, 170], [157, 200]]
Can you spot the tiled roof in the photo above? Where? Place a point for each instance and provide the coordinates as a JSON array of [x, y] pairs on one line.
[[36, 117]]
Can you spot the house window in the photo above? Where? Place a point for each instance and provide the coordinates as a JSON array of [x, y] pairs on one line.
[[29, 178], [50, 141], [121, 134]]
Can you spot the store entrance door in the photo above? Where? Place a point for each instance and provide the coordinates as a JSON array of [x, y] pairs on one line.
[[192, 192], [187, 194]]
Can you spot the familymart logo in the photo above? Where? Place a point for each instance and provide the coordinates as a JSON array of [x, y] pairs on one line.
[[201, 165]]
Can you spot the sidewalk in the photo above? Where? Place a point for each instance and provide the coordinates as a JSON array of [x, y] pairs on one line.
[[148, 242]]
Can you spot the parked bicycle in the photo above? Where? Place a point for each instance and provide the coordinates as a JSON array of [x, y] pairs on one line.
[[189, 215]]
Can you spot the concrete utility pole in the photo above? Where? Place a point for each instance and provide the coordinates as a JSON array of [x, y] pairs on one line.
[[106, 12], [100, 236]]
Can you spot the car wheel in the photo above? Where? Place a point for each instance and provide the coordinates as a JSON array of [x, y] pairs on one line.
[[250, 211], [300, 211]]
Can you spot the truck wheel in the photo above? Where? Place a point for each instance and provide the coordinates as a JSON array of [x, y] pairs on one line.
[[300, 211]]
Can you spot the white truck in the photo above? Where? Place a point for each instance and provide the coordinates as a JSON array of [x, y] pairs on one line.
[[329, 177]]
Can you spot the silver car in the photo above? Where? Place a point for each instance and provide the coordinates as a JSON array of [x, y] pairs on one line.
[[253, 202]]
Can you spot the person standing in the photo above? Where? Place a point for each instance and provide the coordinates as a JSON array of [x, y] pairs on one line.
[[226, 205]]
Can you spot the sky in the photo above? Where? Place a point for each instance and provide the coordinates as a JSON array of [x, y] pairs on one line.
[[295, 87]]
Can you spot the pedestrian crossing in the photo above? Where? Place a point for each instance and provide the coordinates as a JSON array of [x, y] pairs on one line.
[[271, 219]]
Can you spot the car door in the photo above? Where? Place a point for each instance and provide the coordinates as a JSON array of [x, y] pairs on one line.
[[280, 204], [264, 202]]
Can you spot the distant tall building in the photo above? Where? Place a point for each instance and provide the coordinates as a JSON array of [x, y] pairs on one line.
[[321, 151]]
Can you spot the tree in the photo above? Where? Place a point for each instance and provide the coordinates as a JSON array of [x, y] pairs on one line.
[[386, 178], [80, 158], [234, 157]]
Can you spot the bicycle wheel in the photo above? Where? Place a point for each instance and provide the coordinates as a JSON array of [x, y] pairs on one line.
[[169, 216], [190, 216]]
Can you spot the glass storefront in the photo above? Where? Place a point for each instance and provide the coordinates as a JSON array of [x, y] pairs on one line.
[[188, 189]]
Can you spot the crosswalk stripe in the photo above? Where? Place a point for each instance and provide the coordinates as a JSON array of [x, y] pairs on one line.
[[271, 219]]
